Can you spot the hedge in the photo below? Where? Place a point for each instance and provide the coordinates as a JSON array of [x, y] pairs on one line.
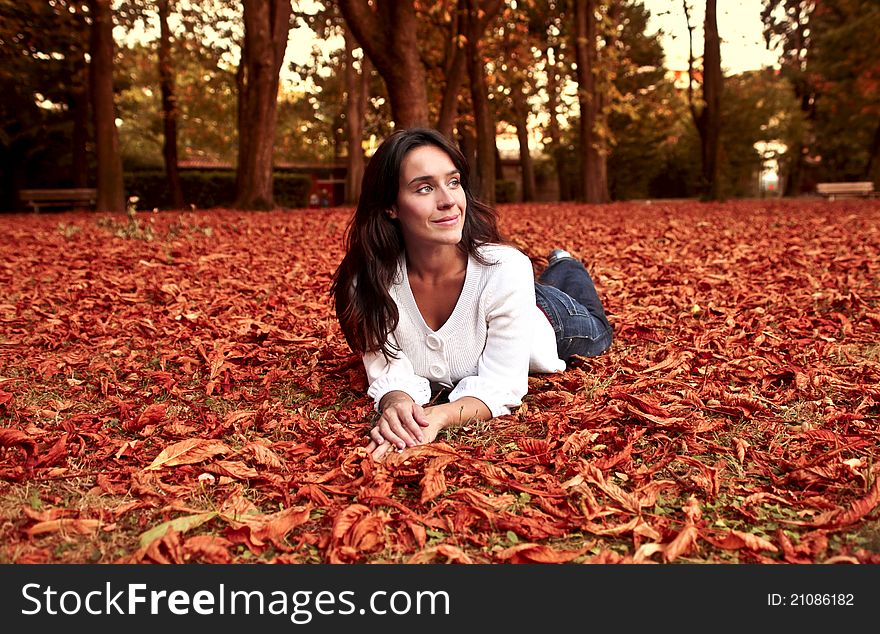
[[505, 191], [208, 189]]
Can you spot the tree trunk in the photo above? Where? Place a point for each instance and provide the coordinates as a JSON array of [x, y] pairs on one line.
[[111, 189], [266, 26], [468, 143], [355, 107], [712, 86], [593, 171], [478, 17], [553, 132], [388, 34], [527, 166], [169, 107], [455, 73], [79, 109]]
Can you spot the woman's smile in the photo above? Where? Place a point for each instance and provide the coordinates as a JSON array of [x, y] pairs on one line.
[[447, 221]]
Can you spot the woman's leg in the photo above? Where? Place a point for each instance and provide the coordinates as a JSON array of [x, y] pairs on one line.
[[572, 278], [566, 292]]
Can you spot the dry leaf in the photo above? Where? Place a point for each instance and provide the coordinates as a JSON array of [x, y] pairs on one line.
[[190, 451]]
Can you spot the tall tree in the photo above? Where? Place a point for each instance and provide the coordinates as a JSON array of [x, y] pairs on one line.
[[479, 15], [455, 57], [266, 28], [356, 81], [320, 115], [111, 192], [169, 106], [642, 119], [514, 81], [78, 106], [593, 166], [787, 27], [707, 117], [387, 30], [549, 22], [844, 65]]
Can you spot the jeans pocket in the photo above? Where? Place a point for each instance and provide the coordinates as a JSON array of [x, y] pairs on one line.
[[573, 308], [584, 346]]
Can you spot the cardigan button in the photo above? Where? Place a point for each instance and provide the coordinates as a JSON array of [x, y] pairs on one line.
[[437, 371], [434, 342]]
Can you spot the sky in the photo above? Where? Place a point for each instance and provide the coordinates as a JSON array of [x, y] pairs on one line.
[[739, 25]]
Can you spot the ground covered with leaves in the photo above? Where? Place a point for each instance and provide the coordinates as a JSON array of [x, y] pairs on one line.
[[174, 388]]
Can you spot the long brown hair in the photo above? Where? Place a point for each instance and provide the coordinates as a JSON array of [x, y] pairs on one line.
[[373, 241]]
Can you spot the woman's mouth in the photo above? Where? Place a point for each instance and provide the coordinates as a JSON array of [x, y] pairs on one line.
[[447, 221]]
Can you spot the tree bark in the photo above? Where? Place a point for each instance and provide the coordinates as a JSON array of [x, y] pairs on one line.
[[707, 118], [527, 166], [110, 186], [388, 34], [455, 73], [467, 141], [712, 87], [593, 170], [169, 107], [79, 109], [478, 17], [355, 107], [266, 27]]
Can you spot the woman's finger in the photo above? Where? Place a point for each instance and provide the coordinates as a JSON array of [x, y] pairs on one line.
[[419, 416], [391, 433], [376, 435], [380, 451], [402, 423], [411, 425]]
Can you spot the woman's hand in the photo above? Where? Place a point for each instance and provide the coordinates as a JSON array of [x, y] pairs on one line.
[[400, 424], [408, 424], [404, 424]]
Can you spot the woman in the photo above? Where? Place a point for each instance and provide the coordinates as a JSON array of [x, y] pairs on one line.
[[435, 301]]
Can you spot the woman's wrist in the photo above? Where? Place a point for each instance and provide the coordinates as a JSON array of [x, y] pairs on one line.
[[461, 411], [393, 397]]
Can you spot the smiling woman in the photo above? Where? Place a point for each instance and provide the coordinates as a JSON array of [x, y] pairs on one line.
[[442, 310]]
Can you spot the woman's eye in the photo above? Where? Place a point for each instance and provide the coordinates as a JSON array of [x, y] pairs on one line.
[[454, 182], [424, 189]]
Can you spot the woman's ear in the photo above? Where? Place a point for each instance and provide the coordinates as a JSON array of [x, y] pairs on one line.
[[392, 213]]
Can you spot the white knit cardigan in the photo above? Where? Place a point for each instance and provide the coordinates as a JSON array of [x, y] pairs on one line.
[[494, 337]]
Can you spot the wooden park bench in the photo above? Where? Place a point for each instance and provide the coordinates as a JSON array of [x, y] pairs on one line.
[[58, 198], [833, 190]]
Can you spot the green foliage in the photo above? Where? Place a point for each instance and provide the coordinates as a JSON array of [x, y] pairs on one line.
[[210, 189], [205, 96], [845, 66], [758, 107], [831, 54]]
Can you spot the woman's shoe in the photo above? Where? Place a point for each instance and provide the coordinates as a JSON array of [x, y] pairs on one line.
[[556, 255]]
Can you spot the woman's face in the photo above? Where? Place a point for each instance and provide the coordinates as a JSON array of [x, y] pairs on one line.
[[431, 201]]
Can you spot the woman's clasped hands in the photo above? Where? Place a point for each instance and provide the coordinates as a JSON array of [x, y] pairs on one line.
[[402, 423]]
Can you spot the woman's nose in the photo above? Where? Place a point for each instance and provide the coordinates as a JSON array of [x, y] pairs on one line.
[[444, 198]]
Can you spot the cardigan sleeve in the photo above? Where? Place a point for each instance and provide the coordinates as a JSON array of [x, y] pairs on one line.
[[394, 374], [503, 367]]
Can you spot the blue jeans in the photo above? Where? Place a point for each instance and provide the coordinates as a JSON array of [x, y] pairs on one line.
[[567, 295]]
